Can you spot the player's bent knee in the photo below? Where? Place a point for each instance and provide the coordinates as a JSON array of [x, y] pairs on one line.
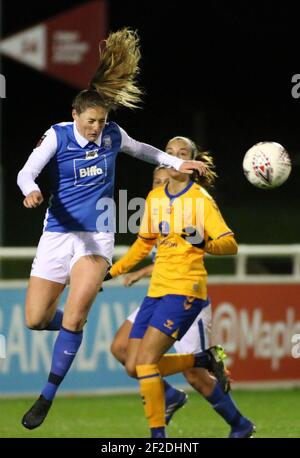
[[36, 325], [119, 351]]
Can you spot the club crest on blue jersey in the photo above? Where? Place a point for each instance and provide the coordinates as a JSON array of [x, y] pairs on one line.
[[107, 142]]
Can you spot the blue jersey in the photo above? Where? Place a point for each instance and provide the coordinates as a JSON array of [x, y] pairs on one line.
[[80, 176]]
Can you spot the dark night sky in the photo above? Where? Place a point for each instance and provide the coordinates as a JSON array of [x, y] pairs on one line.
[[218, 73]]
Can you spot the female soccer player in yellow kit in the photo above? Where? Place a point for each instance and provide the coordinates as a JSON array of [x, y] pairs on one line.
[[196, 339], [184, 222]]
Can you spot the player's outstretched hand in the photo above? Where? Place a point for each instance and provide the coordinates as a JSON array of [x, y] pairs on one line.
[[190, 166], [131, 278], [33, 199]]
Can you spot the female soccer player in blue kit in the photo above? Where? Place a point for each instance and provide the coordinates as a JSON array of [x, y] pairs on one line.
[[80, 157]]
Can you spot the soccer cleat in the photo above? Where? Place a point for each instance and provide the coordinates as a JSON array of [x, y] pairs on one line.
[[216, 356], [243, 432], [174, 406], [37, 413]]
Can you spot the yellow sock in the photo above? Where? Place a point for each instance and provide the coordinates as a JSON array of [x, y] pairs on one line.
[[171, 364], [153, 395]]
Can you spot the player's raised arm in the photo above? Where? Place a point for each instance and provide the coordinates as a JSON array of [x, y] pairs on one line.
[[221, 238], [154, 155]]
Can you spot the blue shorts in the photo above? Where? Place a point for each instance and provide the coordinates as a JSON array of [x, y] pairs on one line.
[[172, 314]]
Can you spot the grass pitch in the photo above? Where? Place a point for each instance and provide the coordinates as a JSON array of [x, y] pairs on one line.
[[275, 413]]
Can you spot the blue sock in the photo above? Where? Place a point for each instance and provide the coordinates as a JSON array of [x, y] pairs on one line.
[[158, 432], [224, 406], [55, 324], [171, 394], [65, 349]]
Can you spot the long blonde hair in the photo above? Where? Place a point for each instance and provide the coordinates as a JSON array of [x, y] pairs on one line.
[[115, 77], [197, 154]]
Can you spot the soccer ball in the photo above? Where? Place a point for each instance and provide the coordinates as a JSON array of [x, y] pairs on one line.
[[267, 165]]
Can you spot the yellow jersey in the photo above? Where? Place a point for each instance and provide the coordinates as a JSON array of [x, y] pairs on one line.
[[181, 226]]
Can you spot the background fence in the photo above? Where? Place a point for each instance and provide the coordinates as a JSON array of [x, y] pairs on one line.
[[255, 317]]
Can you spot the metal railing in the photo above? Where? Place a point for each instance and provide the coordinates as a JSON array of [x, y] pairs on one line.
[[241, 259]]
